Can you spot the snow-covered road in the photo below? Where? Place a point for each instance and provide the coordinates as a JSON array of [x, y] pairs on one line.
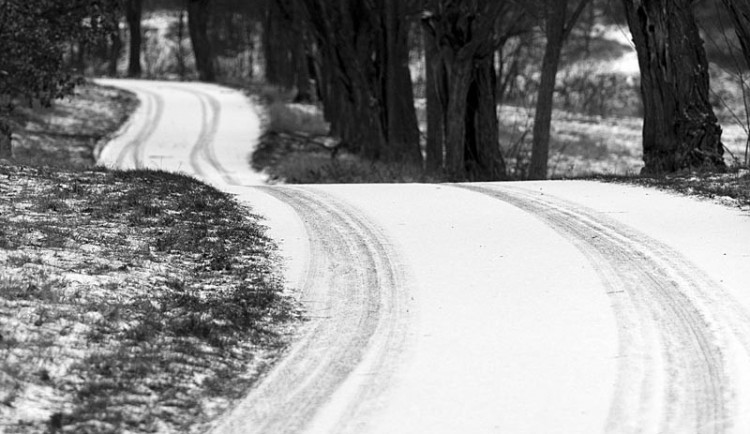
[[540, 307]]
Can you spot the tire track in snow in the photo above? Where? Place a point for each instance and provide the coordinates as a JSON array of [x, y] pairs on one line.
[[133, 150], [675, 323], [210, 116], [357, 332]]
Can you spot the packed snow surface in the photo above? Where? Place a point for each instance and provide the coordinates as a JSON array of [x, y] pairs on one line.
[[553, 307]]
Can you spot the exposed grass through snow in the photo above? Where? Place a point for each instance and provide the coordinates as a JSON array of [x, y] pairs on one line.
[[129, 301]]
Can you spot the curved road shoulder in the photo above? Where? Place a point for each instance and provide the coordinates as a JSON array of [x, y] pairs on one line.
[[358, 326]]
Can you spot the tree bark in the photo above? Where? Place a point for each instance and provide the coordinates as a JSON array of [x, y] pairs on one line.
[[465, 36], [286, 52], [302, 72], [402, 131], [133, 12], [488, 164], [198, 14], [680, 130], [278, 48], [437, 98], [554, 29], [115, 48], [455, 136], [557, 27], [367, 88]]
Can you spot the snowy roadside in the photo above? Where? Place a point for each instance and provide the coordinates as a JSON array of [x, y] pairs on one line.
[[138, 301]]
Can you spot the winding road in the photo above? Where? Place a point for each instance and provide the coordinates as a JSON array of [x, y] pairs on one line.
[[539, 307]]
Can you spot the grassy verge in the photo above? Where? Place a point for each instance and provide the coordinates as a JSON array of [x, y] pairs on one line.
[[732, 189], [129, 301], [66, 134]]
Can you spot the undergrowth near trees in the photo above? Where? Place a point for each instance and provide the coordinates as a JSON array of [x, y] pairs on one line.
[[732, 188]]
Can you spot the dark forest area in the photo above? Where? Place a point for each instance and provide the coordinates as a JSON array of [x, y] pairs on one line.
[[433, 83]]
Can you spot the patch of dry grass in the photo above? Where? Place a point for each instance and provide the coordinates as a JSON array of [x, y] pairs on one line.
[[732, 188], [294, 160], [66, 134]]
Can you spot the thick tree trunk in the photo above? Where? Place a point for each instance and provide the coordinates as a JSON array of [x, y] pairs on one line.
[[402, 131], [460, 80], [554, 30], [302, 72], [740, 12], [285, 43], [115, 48], [198, 14], [465, 37], [680, 130], [278, 47], [468, 114], [366, 75], [133, 11], [488, 165], [437, 99]]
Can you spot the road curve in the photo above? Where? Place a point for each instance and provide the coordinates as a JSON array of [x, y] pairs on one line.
[[358, 323], [512, 308], [667, 309]]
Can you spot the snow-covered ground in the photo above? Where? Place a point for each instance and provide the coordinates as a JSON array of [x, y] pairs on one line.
[[504, 307]]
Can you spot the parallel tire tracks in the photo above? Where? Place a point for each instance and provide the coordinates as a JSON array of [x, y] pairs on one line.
[[202, 149], [675, 323], [133, 150], [358, 328]]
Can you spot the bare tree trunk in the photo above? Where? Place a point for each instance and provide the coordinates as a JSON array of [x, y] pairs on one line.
[[740, 12], [302, 71], [437, 99], [115, 48], [554, 30], [277, 46], [285, 43], [181, 69], [557, 28], [198, 14], [133, 11], [366, 77], [466, 38], [402, 131], [460, 78], [680, 130], [489, 164]]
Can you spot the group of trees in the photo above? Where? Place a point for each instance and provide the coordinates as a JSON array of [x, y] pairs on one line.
[[358, 50], [37, 38], [31, 52], [197, 13], [354, 56]]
